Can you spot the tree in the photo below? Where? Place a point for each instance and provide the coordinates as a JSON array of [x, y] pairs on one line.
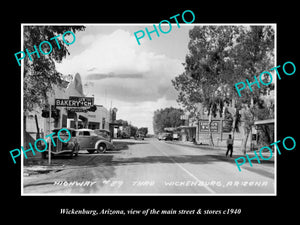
[[40, 74], [207, 69], [133, 130], [167, 117], [143, 131], [253, 54], [121, 122], [219, 57], [128, 129]]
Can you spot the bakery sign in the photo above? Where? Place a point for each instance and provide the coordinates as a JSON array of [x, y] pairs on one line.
[[75, 102]]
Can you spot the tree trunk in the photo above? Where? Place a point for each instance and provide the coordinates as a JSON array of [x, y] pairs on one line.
[[234, 124], [211, 141], [245, 139]]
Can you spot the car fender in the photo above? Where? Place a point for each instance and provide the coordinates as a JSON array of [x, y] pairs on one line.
[[108, 144]]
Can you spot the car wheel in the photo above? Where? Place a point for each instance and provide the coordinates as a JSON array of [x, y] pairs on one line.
[[102, 148], [91, 151], [76, 150]]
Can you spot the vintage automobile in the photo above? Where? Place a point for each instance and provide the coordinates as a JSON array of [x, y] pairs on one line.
[[165, 136], [104, 133], [89, 140], [139, 137], [69, 148]]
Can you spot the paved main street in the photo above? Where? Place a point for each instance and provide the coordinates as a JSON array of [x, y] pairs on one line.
[[149, 167]]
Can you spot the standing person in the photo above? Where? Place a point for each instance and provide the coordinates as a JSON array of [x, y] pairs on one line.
[[229, 145]]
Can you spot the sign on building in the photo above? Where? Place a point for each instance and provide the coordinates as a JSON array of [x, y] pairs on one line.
[[74, 102], [204, 126]]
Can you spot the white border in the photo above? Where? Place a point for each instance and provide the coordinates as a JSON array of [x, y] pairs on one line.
[[274, 25]]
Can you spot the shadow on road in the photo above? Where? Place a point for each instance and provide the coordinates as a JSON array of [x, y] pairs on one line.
[[194, 159], [123, 144]]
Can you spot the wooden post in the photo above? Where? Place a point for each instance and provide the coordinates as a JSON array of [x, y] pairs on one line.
[[37, 127]]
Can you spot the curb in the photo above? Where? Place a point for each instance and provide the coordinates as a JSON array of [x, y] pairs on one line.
[[237, 150]]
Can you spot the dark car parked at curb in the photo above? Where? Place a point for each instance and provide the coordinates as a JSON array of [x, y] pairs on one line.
[[69, 148]]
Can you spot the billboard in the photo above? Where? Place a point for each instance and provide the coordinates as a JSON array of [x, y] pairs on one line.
[[204, 126]]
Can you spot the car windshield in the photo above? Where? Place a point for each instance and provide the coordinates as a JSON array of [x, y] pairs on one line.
[[84, 133]]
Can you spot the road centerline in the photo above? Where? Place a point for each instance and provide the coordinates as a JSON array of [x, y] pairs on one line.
[[185, 170]]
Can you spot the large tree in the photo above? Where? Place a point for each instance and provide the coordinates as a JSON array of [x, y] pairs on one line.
[[207, 69], [219, 57], [40, 74], [253, 54], [167, 117]]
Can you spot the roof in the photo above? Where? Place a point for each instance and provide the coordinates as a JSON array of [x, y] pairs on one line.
[[103, 130], [85, 129], [69, 128], [186, 127]]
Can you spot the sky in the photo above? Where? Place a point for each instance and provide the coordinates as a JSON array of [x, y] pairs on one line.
[[136, 79]]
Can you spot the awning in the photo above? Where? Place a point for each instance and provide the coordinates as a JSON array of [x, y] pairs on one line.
[[186, 127], [82, 118], [262, 122]]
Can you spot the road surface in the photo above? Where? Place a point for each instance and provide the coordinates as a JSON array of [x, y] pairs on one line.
[[149, 167]]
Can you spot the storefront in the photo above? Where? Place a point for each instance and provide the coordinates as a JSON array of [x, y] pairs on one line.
[[187, 133], [264, 133], [99, 119], [68, 109]]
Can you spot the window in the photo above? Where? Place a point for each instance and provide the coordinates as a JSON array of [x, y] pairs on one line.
[[84, 133], [103, 123], [73, 133]]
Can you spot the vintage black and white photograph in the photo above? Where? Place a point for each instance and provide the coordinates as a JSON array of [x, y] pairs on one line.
[[148, 109]]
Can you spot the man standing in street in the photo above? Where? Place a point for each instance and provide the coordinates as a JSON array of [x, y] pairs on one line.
[[229, 145]]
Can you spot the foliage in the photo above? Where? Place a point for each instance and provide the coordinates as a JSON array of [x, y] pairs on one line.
[[143, 131], [128, 129], [264, 110], [228, 121], [40, 74], [167, 117], [253, 54], [207, 69], [219, 57], [122, 122]]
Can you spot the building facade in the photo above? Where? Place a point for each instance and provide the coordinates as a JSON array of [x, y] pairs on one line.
[[37, 123], [197, 129]]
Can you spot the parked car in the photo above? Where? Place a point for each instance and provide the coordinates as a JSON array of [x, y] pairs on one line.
[[160, 136], [104, 133], [89, 140], [175, 136], [139, 137], [69, 148], [168, 137], [165, 136]]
